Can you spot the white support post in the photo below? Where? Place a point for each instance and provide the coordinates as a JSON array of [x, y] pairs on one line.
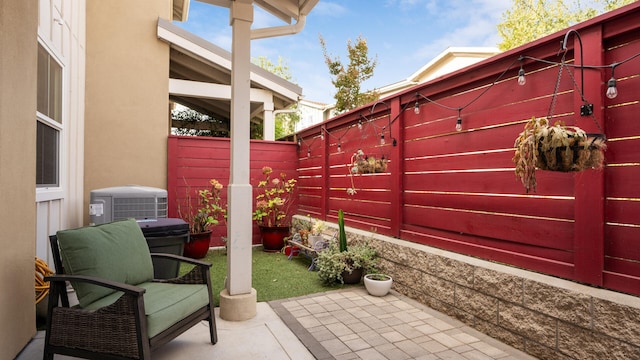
[[238, 299], [269, 123]]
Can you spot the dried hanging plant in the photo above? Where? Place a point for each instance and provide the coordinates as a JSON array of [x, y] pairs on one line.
[[555, 148]]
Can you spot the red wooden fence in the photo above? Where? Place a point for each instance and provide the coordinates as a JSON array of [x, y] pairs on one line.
[[193, 161], [457, 190]]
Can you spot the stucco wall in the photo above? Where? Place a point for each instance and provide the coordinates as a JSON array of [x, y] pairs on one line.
[[18, 29], [127, 101]]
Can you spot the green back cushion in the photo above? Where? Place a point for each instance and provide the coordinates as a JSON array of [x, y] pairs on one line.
[[116, 251]]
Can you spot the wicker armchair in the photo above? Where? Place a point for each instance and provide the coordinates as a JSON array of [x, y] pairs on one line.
[[123, 313]]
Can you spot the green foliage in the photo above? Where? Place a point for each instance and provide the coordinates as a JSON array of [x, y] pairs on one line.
[[285, 122], [190, 122], [273, 275], [348, 79], [528, 20], [274, 199], [206, 210], [342, 234], [332, 262]]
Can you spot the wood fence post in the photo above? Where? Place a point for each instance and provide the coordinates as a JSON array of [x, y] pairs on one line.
[[324, 205], [396, 166], [589, 185]]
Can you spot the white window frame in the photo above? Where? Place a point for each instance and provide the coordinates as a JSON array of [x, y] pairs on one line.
[[48, 193]]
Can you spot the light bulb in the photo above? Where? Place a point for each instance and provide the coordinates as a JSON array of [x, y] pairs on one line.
[[382, 142], [612, 90], [416, 108], [521, 79], [339, 148], [322, 136], [359, 124], [309, 153], [459, 124]]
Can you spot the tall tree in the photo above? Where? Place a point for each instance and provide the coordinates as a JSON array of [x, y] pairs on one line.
[[348, 80], [285, 122], [528, 20]]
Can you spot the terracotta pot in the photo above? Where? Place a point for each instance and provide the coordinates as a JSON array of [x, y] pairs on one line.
[[353, 278], [198, 245], [273, 237]]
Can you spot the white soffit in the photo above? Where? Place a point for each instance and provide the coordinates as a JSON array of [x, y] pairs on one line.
[[201, 49], [286, 10]]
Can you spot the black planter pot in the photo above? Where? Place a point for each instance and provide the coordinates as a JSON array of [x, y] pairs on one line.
[[353, 278]]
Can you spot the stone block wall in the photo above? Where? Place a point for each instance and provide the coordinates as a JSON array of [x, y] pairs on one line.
[[547, 317]]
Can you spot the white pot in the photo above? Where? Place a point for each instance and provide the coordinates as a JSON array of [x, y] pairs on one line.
[[313, 239], [378, 287]]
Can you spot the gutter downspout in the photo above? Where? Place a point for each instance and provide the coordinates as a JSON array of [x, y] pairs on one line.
[[279, 30]]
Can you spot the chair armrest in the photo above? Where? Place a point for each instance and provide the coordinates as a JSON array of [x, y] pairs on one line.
[[118, 286], [181, 259]]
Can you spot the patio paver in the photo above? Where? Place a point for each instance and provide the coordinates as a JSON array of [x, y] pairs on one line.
[[389, 327]]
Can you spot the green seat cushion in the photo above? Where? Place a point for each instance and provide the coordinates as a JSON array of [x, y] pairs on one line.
[[116, 251], [164, 304]]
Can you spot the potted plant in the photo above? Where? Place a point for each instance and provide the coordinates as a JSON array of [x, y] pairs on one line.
[[378, 284], [201, 213], [315, 235], [273, 203], [555, 148], [362, 163], [345, 263]]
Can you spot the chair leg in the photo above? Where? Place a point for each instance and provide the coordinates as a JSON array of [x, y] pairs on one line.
[[213, 332], [47, 356]]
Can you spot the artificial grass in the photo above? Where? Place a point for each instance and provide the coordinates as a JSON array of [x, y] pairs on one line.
[[273, 275]]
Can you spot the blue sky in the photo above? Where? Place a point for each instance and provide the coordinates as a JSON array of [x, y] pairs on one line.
[[403, 34]]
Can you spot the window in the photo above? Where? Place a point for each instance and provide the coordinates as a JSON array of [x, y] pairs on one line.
[[49, 120]]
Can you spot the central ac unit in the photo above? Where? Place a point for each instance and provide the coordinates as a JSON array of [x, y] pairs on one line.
[[125, 202]]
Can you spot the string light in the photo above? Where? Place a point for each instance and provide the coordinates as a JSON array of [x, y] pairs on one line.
[[521, 79], [612, 90], [611, 93]]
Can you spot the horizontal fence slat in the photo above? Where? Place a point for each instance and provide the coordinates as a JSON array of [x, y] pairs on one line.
[[538, 259], [498, 182], [532, 206], [533, 231]]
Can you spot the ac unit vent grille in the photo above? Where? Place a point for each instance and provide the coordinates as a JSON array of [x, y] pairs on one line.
[[139, 208]]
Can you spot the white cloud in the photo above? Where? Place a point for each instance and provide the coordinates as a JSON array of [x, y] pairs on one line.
[[326, 8]]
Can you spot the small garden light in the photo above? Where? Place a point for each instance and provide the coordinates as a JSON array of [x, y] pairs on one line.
[[612, 90], [521, 79]]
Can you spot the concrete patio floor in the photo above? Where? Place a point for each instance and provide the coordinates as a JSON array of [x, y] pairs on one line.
[[341, 324]]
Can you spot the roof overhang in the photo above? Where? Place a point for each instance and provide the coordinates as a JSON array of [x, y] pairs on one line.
[[285, 10], [180, 10], [195, 60]]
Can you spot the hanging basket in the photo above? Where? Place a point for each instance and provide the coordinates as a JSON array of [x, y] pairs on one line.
[[368, 164], [555, 148]]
